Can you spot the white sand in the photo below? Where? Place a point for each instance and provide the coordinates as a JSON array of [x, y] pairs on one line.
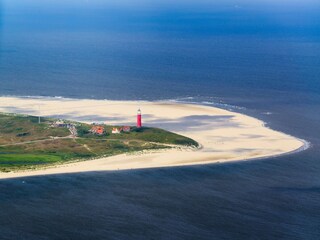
[[224, 135]]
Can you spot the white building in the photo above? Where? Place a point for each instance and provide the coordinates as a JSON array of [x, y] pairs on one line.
[[116, 130]]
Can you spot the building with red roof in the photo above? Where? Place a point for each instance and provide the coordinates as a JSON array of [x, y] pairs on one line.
[[99, 130]]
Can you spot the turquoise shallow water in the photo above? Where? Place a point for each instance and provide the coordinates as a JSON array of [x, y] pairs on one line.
[[259, 59]]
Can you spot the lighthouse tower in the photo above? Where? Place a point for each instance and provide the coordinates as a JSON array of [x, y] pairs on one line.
[[139, 119]]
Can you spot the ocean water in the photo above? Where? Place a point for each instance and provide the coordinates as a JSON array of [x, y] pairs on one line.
[[260, 58]]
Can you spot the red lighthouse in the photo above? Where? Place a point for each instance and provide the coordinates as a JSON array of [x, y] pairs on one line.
[[139, 119]]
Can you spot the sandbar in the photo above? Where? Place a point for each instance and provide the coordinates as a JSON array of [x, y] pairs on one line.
[[224, 136]]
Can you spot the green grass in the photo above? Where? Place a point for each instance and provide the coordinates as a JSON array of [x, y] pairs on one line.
[[28, 158], [19, 128], [10, 162], [51, 149]]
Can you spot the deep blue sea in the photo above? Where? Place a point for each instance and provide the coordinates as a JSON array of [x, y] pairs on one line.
[[261, 58]]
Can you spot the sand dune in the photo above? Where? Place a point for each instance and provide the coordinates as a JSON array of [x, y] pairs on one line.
[[223, 135]]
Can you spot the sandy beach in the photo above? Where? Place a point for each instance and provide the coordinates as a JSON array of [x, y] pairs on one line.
[[224, 136]]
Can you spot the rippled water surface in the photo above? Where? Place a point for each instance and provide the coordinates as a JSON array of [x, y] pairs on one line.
[[262, 59]]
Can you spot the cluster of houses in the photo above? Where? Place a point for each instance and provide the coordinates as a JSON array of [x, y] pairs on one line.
[[99, 130], [61, 123]]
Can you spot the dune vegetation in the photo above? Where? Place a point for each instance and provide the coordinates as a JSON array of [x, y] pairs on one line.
[[27, 144]]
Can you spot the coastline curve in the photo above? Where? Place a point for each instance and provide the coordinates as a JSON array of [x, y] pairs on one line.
[[225, 136]]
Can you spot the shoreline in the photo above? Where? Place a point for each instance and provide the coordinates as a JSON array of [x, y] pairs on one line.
[[225, 136]]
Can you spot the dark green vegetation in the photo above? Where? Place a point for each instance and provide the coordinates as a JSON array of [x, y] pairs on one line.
[[26, 144], [146, 134]]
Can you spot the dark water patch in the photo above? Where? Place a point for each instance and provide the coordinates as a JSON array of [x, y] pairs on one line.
[[251, 57], [252, 200]]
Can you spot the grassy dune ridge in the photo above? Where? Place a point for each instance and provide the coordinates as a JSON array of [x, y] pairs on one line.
[[26, 144]]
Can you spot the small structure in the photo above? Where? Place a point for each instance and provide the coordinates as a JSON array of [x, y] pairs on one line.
[[126, 129], [116, 130], [99, 130]]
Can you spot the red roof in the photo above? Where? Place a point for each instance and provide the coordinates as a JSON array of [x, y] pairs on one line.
[[126, 128], [97, 129]]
